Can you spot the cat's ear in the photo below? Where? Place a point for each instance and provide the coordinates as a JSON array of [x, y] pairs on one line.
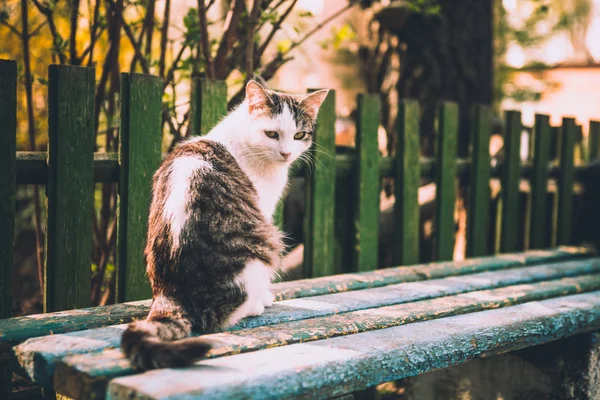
[[313, 101], [258, 99]]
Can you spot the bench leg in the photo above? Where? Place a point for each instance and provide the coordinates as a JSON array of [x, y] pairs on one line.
[[565, 369]]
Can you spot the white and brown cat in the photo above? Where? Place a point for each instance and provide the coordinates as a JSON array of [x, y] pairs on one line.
[[212, 249]]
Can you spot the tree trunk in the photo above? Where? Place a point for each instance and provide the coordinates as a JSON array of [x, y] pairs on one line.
[[447, 56]]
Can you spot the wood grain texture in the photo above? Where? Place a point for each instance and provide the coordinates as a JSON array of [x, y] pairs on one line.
[[71, 142], [8, 151], [38, 356], [565, 183], [366, 218], [82, 375], [479, 196], [319, 212], [16, 330], [446, 181], [344, 364], [539, 181], [406, 185], [509, 235], [594, 140], [209, 105], [139, 157]]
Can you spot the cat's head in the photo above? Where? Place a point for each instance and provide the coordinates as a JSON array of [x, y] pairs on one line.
[[282, 125]]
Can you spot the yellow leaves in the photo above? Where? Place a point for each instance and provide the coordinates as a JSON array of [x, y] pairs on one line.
[[283, 46]]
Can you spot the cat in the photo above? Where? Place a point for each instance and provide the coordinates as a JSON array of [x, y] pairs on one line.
[[212, 248]]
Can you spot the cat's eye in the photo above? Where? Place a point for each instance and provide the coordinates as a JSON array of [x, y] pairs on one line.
[[300, 135], [272, 134]]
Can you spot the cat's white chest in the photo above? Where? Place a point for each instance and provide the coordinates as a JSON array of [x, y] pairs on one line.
[[269, 190]]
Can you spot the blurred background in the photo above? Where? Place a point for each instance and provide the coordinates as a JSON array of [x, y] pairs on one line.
[[532, 55]]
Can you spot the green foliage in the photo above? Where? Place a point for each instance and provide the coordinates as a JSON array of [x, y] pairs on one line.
[[546, 19], [427, 7], [192, 28]]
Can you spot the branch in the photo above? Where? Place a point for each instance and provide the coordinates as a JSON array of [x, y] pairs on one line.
[[210, 3], [73, 34], [204, 42], [47, 12], [11, 27], [149, 26], [90, 48], [93, 35], [254, 14], [164, 35], [230, 28], [321, 25], [37, 29], [171, 72], [276, 27], [129, 35], [39, 245]]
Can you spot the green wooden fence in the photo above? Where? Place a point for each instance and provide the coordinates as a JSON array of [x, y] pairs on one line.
[[69, 169]]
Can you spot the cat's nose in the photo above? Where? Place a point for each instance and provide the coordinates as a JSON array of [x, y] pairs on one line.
[[285, 155]]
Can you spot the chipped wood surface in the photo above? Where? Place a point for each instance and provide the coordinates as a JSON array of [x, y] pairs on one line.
[[87, 374], [16, 330], [325, 311], [38, 356], [345, 364]]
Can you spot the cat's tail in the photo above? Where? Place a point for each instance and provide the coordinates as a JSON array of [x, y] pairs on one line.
[[162, 343]]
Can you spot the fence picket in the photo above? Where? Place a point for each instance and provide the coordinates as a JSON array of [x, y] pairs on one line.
[[446, 180], [208, 105], [8, 155], [565, 182], [479, 196], [319, 238], [509, 236], [594, 140], [539, 181], [139, 156], [366, 219], [70, 187], [406, 185]]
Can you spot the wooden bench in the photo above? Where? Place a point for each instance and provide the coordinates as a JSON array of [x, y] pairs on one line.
[[330, 336]]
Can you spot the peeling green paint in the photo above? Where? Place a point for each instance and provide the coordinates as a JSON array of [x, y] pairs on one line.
[[79, 364], [345, 364]]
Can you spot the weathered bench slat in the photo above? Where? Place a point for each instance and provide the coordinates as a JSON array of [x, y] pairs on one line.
[[345, 364], [388, 276], [38, 356], [84, 374], [15, 330]]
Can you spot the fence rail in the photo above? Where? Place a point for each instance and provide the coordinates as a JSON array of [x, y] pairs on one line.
[[342, 192], [32, 168]]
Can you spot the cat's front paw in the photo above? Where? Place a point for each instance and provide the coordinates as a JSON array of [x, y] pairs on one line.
[[257, 309], [267, 299]]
